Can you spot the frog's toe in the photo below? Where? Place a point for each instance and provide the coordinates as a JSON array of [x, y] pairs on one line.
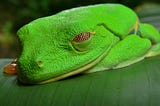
[[154, 51]]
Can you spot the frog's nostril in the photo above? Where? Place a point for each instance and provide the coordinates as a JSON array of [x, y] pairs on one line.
[[40, 63]]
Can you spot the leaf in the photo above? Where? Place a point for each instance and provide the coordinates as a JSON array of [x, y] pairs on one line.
[[136, 85]]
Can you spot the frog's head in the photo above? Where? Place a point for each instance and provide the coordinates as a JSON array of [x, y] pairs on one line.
[[56, 47]]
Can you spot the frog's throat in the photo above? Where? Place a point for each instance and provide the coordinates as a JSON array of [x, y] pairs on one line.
[[81, 69]]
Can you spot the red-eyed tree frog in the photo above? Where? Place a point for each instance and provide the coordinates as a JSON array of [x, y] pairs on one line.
[[83, 40]]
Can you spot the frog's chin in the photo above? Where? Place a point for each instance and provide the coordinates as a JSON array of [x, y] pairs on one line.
[[77, 71], [71, 73]]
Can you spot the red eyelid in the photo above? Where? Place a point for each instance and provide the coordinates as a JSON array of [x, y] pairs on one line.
[[83, 36]]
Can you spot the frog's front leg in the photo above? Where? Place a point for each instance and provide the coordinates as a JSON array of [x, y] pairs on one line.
[[131, 49], [151, 33]]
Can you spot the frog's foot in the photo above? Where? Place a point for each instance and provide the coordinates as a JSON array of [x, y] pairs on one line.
[[150, 32], [11, 68], [154, 51]]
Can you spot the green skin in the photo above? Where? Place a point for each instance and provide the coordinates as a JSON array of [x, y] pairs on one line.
[[55, 47]]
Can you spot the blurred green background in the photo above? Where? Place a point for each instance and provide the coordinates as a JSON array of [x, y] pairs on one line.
[[16, 13]]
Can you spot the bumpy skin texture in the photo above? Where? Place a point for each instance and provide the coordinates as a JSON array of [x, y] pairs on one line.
[[84, 39]]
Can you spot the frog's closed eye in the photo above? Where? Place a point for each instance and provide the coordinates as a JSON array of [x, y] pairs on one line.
[[81, 42], [82, 37]]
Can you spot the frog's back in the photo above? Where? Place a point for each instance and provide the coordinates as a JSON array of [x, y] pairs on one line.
[[115, 16]]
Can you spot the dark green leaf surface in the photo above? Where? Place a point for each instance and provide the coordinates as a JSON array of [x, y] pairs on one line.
[[136, 85]]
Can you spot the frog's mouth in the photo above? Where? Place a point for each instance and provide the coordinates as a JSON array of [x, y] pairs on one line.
[[78, 70]]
